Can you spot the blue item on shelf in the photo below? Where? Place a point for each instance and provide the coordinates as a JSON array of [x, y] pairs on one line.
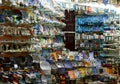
[[94, 70], [102, 54], [98, 19], [59, 39], [67, 65], [77, 57]]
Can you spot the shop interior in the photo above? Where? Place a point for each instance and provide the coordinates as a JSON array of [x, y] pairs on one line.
[[59, 41]]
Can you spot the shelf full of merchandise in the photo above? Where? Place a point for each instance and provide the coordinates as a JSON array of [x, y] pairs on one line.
[[88, 35]]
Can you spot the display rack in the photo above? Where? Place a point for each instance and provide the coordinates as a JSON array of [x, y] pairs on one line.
[[90, 36], [23, 37]]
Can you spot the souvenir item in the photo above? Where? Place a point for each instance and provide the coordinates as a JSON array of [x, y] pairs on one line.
[[29, 61], [38, 78], [1, 62], [74, 64], [71, 75], [82, 72], [5, 78], [80, 54], [15, 66], [89, 71], [45, 66], [94, 71], [54, 68], [49, 79], [61, 68], [44, 79], [21, 61], [67, 65], [77, 76], [105, 2], [71, 57], [21, 81], [36, 65], [54, 56], [6, 64], [30, 78], [91, 56], [61, 71], [80, 64], [54, 79], [15, 78], [77, 57]]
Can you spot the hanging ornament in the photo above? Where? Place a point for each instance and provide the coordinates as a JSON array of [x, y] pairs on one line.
[[105, 2]]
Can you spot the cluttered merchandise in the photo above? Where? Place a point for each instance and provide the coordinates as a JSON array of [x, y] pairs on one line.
[[59, 41]]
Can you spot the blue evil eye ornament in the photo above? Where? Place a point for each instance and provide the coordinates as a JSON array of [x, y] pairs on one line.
[[105, 2]]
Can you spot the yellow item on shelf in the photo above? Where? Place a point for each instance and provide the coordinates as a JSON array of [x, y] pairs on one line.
[[109, 70], [49, 41], [54, 56], [83, 72], [71, 57], [87, 63]]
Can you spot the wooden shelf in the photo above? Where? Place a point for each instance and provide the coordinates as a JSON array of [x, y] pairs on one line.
[[85, 66], [91, 39], [91, 32], [17, 42], [14, 38], [13, 54], [115, 50], [48, 36], [107, 65], [4, 7], [83, 48], [14, 25]]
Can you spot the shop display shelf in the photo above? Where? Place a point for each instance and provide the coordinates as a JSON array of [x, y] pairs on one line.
[[8, 7], [17, 54], [53, 48], [91, 32], [84, 48], [48, 36], [86, 67], [110, 49], [17, 42], [98, 40], [24, 25], [15, 38], [107, 65]]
